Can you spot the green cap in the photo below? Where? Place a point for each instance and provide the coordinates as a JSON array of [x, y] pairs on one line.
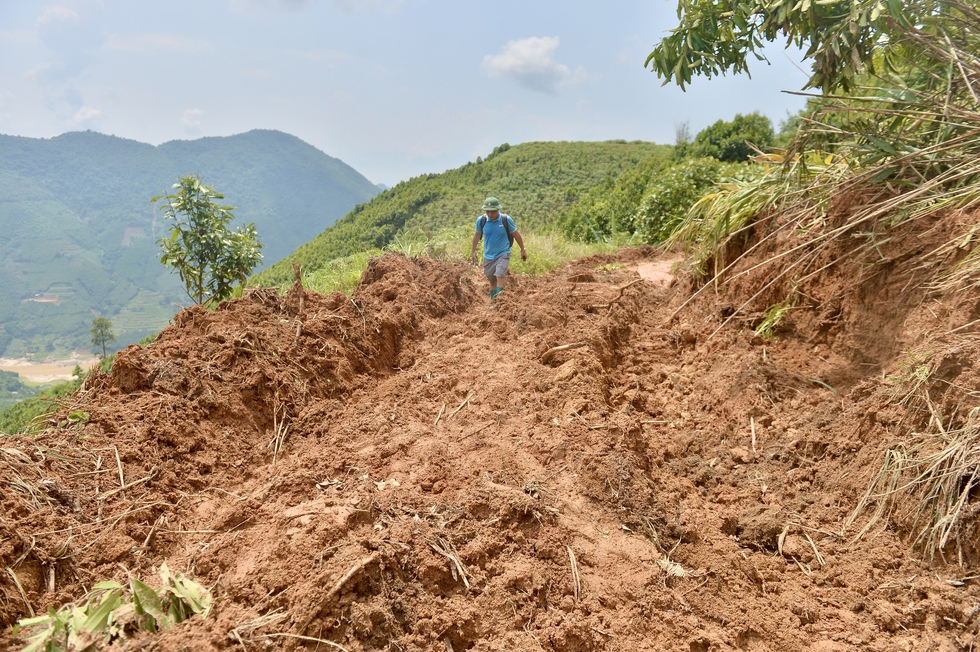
[[492, 204]]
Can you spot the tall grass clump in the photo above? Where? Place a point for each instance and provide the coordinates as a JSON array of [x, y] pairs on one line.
[[550, 251]]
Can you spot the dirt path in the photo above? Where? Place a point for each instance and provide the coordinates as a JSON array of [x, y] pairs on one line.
[[413, 470], [45, 372]]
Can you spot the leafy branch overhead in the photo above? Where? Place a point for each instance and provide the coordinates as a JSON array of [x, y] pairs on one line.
[[209, 257], [839, 36]]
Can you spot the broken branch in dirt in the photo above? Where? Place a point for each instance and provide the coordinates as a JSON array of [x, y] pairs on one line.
[[550, 353], [612, 301], [122, 479], [279, 425], [20, 588]]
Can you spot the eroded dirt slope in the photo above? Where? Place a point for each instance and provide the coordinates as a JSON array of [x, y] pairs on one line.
[[581, 467]]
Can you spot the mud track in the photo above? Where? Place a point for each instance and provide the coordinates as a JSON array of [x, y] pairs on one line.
[[576, 468]]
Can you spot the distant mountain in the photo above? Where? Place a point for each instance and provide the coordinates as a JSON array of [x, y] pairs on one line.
[[78, 233], [537, 182]]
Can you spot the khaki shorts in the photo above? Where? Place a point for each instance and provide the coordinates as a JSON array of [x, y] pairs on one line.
[[496, 267]]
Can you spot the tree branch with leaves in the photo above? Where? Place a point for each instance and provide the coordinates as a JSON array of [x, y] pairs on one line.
[[841, 37]]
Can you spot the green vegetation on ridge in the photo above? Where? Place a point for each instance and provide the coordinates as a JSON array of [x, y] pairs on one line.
[[536, 182]]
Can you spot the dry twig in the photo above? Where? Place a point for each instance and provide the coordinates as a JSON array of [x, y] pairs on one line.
[[20, 588], [550, 353], [122, 479], [447, 550], [356, 568], [152, 475], [576, 580], [306, 638], [461, 405]]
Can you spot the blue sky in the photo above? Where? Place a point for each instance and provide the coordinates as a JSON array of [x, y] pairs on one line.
[[394, 88]]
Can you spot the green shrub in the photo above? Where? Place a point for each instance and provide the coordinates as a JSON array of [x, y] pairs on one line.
[[673, 192], [733, 141]]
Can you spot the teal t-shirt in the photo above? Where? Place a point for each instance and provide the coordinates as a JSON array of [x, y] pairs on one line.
[[495, 240]]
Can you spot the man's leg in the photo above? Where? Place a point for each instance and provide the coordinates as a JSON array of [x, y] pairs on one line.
[[498, 286], [499, 272]]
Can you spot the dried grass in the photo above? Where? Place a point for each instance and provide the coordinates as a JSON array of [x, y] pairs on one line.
[[933, 476]]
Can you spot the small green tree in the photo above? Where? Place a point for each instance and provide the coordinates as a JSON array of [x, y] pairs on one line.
[[209, 257], [102, 333]]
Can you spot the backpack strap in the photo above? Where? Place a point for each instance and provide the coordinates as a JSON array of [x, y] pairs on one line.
[[503, 218], [510, 234]]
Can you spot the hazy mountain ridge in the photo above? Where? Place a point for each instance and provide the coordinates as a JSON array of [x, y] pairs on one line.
[[79, 234]]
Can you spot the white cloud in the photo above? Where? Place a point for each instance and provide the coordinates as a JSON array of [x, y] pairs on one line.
[[157, 43], [70, 40], [252, 6], [38, 71], [87, 114], [531, 62], [57, 14], [191, 120]]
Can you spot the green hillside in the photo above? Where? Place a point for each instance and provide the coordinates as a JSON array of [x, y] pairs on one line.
[[79, 234], [537, 183]]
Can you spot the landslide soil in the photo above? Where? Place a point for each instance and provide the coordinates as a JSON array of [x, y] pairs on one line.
[[595, 462]]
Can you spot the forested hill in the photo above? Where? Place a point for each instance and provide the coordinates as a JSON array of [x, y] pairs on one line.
[[536, 182], [78, 231]]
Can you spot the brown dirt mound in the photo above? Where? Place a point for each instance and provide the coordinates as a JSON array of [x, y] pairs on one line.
[[573, 469]]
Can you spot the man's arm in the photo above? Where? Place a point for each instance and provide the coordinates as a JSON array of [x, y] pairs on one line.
[[476, 239], [520, 241]]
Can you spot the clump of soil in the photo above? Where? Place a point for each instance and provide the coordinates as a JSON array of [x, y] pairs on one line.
[[582, 465]]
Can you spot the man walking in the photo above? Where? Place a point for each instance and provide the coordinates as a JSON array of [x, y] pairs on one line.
[[498, 232]]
